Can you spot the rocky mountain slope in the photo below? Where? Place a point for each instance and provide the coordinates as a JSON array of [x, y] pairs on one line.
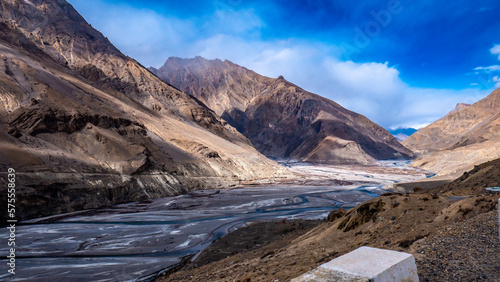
[[468, 135], [280, 118], [85, 126]]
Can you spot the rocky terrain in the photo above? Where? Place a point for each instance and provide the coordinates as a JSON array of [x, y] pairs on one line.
[[280, 118], [85, 126], [467, 136], [452, 230]]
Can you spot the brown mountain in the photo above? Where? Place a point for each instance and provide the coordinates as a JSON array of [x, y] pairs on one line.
[[280, 118], [85, 126], [466, 136]]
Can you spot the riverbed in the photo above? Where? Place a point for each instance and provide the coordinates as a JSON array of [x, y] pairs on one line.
[[138, 240]]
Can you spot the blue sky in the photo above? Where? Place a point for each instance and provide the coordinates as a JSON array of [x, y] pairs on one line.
[[400, 63]]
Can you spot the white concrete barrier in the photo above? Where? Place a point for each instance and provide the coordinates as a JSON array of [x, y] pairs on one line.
[[365, 264], [496, 190]]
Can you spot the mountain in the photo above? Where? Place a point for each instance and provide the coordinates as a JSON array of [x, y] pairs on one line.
[[401, 133], [281, 119], [85, 126], [468, 135]]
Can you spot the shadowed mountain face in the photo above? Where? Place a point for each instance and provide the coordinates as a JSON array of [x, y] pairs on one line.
[[86, 126], [468, 135], [280, 118]]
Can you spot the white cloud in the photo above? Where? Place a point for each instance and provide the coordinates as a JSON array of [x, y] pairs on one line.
[[375, 78], [496, 50], [151, 37], [486, 75], [488, 69], [496, 79], [426, 105], [388, 101]]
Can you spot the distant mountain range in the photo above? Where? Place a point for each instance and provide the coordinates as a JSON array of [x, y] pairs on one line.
[[281, 119], [401, 133]]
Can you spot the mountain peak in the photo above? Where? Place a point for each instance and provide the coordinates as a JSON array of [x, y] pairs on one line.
[[280, 118], [461, 106], [197, 61], [59, 30]]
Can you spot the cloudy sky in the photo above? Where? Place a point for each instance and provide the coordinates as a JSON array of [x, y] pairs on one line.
[[400, 63]]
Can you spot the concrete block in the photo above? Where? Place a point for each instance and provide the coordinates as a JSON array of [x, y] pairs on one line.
[[365, 264]]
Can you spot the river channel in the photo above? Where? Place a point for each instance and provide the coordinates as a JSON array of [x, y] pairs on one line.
[[137, 240]]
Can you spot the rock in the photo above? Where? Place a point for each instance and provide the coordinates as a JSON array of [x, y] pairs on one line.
[[363, 214], [365, 264], [333, 215]]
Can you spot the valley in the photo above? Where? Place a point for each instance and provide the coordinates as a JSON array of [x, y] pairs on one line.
[[205, 169], [451, 230], [135, 240]]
